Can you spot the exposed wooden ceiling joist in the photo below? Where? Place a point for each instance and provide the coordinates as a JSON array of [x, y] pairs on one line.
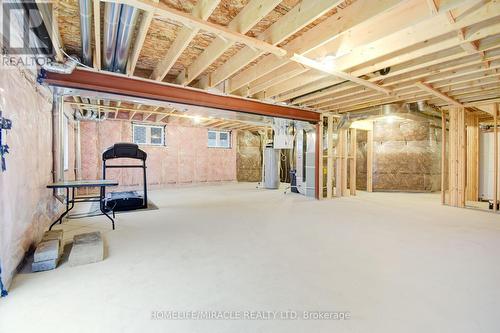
[[451, 45], [283, 73], [158, 116], [328, 69], [332, 28], [406, 72], [417, 35], [413, 96], [147, 18], [251, 14], [428, 88], [443, 81], [399, 83], [163, 10], [296, 19], [49, 16], [202, 10]]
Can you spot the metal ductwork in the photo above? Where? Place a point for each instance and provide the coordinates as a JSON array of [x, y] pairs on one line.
[[86, 30], [128, 19], [92, 115], [119, 25], [111, 20], [392, 109], [415, 111], [65, 68], [424, 107]]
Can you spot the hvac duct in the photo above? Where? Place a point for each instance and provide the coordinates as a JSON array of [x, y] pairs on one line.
[[85, 30], [90, 115], [415, 111], [119, 25], [66, 68], [111, 20], [423, 106], [271, 168], [419, 110], [128, 19]]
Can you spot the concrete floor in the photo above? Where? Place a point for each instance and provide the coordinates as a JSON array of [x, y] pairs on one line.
[[396, 262]]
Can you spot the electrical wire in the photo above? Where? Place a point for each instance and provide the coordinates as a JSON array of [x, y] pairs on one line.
[[75, 60]]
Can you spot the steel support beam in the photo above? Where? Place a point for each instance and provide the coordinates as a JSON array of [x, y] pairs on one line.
[[142, 88]]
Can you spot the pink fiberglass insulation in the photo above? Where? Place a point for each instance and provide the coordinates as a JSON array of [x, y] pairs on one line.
[[26, 206], [185, 159]]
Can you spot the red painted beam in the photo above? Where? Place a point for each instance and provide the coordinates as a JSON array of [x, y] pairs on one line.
[[123, 85]]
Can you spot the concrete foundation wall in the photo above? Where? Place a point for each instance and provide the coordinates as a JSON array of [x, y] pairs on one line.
[[185, 159], [26, 206], [406, 156], [249, 157]]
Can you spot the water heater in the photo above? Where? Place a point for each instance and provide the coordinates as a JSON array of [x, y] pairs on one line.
[[271, 168]]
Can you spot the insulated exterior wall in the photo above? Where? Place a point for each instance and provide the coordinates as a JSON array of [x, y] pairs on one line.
[[26, 206], [361, 159], [406, 156], [249, 157], [185, 159]]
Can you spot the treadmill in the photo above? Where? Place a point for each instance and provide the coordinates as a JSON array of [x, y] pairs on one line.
[[129, 200]]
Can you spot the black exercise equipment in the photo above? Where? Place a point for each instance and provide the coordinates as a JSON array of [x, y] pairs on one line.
[[130, 200], [5, 124]]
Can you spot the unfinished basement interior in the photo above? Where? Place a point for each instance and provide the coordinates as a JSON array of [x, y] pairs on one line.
[[250, 166]]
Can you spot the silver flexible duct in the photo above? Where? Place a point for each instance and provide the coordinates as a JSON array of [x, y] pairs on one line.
[[65, 68]]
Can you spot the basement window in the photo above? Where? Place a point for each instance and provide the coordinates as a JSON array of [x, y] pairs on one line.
[[219, 139], [153, 135]]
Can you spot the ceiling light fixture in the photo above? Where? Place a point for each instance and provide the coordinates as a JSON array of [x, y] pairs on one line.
[[196, 119]]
